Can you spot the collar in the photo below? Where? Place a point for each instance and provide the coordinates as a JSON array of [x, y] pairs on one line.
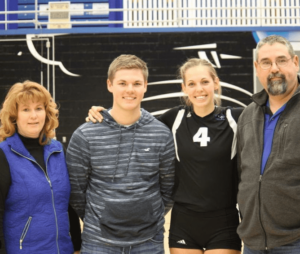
[[16, 144], [268, 111]]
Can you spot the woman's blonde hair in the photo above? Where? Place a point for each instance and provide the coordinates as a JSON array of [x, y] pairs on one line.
[[22, 93], [193, 62]]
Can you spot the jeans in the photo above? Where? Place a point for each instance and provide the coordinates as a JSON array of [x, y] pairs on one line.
[[152, 246], [291, 248]]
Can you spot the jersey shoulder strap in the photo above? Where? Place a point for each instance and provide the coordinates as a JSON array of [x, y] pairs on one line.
[[236, 112], [232, 116], [175, 126]]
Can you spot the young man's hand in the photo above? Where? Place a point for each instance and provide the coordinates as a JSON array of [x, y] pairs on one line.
[[94, 114]]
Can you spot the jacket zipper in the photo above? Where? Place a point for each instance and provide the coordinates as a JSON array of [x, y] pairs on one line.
[[69, 225], [25, 230], [259, 204], [282, 139], [259, 201], [48, 179]]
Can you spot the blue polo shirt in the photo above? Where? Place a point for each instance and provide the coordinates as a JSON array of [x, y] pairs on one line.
[[270, 125]]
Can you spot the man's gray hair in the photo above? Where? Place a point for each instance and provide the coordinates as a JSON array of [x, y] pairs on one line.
[[274, 39]]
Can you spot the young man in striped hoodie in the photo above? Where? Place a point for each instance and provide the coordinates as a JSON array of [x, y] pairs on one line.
[[122, 169]]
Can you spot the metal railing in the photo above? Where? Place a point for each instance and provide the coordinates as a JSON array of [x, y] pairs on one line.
[[183, 13], [36, 15], [214, 13]]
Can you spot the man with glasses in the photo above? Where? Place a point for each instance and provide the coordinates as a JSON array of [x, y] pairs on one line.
[[269, 154]]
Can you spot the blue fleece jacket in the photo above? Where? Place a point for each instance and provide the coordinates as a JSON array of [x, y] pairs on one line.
[[122, 179]]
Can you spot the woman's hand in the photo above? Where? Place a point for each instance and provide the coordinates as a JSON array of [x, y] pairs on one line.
[[94, 114]]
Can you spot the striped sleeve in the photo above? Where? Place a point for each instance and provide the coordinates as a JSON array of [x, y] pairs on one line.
[[167, 173], [78, 161]]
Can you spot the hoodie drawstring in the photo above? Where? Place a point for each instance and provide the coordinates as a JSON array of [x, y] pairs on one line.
[[132, 143], [118, 152]]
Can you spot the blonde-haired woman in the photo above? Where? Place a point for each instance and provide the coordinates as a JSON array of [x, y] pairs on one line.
[[204, 217], [35, 188]]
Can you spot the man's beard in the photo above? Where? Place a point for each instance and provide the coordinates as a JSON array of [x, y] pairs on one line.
[[277, 87]]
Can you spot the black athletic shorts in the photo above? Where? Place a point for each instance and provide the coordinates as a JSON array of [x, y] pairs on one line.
[[204, 231]]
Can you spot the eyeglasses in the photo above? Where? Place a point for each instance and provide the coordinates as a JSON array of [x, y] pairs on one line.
[[267, 64]]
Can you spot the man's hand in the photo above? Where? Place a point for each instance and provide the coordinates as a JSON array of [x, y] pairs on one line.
[[94, 114], [77, 252]]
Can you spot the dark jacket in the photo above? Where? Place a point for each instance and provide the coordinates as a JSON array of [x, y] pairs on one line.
[[122, 179], [36, 208], [270, 203]]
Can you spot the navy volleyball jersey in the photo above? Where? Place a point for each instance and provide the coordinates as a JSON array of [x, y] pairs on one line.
[[206, 167]]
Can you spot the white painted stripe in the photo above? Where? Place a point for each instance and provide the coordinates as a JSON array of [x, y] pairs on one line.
[[216, 59], [233, 126], [175, 126], [233, 100], [175, 81], [204, 46], [224, 84], [36, 55], [164, 96], [202, 55], [224, 56]]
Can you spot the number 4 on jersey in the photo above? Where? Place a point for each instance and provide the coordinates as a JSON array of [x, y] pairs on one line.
[[202, 136]]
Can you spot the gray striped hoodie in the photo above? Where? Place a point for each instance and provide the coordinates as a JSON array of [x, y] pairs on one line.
[[121, 178]]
